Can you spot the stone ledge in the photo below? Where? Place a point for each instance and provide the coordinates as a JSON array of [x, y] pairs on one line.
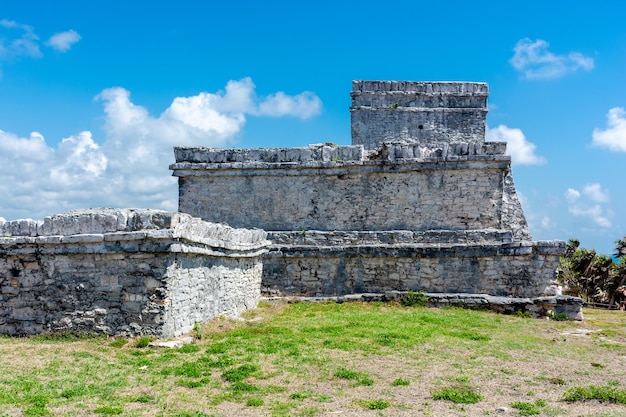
[[110, 230], [538, 307], [410, 109], [421, 250], [301, 157], [421, 87], [341, 167], [316, 152], [388, 237]]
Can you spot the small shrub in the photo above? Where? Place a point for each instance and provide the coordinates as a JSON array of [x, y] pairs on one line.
[[240, 373], [344, 373], [399, 382], [412, 299], [254, 402], [365, 381], [360, 378], [109, 411], [523, 314], [529, 409], [593, 392], [461, 395], [241, 386], [557, 381], [526, 408], [144, 398], [300, 395], [560, 316], [118, 343], [373, 404], [143, 341]]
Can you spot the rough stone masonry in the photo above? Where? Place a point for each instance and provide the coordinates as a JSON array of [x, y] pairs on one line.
[[418, 201], [125, 271]]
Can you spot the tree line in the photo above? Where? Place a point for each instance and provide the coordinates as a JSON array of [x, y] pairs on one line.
[[593, 277]]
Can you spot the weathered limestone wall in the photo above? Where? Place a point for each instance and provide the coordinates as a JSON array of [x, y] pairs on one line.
[[315, 188], [125, 272], [423, 112], [510, 269]]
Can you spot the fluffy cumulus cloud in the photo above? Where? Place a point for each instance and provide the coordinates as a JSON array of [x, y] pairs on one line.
[[521, 150], [303, 105], [534, 60], [614, 136], [129, 166], [63, 41], [590, 203]]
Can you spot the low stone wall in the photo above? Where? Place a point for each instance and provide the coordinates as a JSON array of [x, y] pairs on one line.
[[125, 272], [548, 307], [523, 269]]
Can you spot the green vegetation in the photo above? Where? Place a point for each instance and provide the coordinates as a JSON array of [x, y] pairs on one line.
[[143, 341], [412, 299], [607, 393], [372, 404], [313, 359], [529, 409], [595, 278], [361, 378], [399, 382], [459, 395]]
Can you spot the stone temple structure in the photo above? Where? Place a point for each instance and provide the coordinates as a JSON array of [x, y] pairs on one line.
[[419, 201]]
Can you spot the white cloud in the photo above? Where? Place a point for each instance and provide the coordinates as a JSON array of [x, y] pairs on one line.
[[303, 105], [595, 212], [572, 195], [129, 166], [614, 136], [546, 222], [521, 150], [596, 193], [17, 40], [589, 204], [63, 41], [534, 61]]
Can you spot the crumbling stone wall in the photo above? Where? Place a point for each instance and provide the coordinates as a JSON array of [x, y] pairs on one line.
[[328, 193], [125, 272], [510, 269]]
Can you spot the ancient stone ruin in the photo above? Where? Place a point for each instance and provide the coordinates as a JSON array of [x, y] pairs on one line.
[[129, 272], [419, 201]]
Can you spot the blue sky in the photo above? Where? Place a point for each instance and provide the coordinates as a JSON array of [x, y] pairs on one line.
[[94, 95]]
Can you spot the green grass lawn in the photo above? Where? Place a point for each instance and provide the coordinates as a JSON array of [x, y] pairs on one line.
[[351, 359]]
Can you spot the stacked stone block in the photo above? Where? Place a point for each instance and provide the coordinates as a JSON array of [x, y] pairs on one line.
[[125, 271]]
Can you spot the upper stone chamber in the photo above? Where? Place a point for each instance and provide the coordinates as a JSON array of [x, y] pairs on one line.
[[429, 113]]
